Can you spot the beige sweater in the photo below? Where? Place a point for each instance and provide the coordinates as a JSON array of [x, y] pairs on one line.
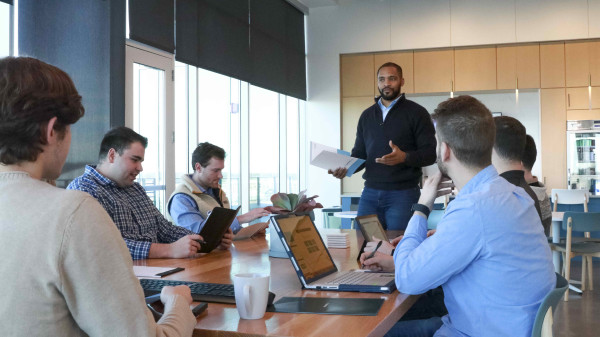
[[66, 270]]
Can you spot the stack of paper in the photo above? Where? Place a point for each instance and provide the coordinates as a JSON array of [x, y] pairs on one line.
[[338, 240], [331, 158]]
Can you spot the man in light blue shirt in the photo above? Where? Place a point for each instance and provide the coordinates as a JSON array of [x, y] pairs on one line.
[[489, 254], [200, 192]]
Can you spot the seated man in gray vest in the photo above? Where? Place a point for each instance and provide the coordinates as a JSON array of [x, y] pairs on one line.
[[200, 192]]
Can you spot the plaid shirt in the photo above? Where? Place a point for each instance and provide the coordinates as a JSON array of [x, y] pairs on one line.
[[136, 217]]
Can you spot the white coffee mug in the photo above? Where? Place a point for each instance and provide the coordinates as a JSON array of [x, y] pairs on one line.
[[251, 294]]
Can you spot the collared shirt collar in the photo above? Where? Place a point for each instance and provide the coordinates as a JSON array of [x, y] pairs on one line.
[[102, 180], [481, 177], [385, 109]]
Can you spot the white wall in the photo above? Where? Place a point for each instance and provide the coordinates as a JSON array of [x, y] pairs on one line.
[[383, 25]]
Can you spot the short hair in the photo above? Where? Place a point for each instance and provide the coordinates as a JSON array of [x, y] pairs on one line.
[[31, 93], [467, 126], [529, 153], [391, 64], [120, 138], [510, 138], [204, 153]]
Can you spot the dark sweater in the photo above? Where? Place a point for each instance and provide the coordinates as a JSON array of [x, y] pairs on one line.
[[408, 125], [517, 178]]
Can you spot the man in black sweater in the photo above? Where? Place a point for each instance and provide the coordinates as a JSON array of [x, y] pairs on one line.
[[508, 152], [396, 138]]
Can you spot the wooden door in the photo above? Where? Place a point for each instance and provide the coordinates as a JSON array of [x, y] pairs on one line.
[[578, 98], [433, 70], [518, 67], [352, 108], [577, 64], [552, 65], [554, 138], [475, 69], [357, 75]]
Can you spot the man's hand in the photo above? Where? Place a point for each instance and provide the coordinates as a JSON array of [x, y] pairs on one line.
[[226, 240], [397, 240], [433, 187], [183, 291], [396, 157], [339, 172], [185, 247], [430, 232], [379, 262], [385, 248], [253, 215]]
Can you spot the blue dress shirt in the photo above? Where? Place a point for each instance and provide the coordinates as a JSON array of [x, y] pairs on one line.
[[130, 208], [185, 212], [489, 254], [385, 109]]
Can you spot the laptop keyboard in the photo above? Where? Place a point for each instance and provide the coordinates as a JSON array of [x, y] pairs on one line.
[[350, 278], [201, 292]]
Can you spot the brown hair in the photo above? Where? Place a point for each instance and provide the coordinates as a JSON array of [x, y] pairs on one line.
[[31, 93], [467, 126]]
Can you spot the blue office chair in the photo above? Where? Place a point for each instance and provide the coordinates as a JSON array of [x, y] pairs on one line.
[[584, 247], [542, 326]]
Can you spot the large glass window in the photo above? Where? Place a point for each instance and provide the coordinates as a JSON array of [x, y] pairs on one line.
[[264, 146], [238, 117]]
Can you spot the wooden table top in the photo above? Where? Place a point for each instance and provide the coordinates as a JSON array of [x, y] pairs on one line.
[[252, 256]]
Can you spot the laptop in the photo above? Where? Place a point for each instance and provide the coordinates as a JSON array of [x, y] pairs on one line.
[[217, 223], [314, 265], [371, 227]]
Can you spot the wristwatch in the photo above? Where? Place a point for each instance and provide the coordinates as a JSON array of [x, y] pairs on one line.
[[421, 208]]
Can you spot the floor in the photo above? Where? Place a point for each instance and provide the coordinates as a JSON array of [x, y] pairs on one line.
[[580, 316]]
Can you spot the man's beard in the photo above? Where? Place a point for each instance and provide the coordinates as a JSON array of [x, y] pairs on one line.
[[441, 166], [391, 97]]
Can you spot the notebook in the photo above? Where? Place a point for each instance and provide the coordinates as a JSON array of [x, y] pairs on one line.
[[314, 265], [216, 225], [371, 227]]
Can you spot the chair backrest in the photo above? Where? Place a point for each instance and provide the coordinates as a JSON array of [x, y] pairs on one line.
[[548, 306], [434, 217], [569, 197], [582, 221], [442, 200]]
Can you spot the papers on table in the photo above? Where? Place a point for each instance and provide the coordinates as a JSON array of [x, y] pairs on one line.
[[338, 240], [153, 272], [249, 231], [331, 158]]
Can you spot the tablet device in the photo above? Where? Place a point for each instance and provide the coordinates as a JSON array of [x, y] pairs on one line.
[[370, 226], [216, 225]]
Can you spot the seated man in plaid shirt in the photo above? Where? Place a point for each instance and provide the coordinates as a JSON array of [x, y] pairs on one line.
[[112, 182]]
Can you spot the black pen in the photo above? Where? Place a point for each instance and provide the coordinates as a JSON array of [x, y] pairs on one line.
[[373, 253]]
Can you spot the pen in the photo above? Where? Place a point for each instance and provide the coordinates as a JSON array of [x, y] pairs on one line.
[[373, 252]]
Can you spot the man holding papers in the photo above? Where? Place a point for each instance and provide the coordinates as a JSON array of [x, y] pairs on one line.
[[396, 138]]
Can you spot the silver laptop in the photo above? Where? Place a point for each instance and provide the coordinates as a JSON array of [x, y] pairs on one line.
[[314, 265]]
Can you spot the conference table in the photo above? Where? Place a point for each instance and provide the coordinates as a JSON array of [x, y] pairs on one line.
[[252, 256]]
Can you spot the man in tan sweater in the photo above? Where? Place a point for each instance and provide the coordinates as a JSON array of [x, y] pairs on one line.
[[65, 269]]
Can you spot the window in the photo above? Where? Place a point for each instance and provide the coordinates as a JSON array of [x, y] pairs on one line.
[[239, 118], [5, 29]]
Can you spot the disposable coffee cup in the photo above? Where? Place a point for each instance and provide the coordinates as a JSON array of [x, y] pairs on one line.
[[251, 294]]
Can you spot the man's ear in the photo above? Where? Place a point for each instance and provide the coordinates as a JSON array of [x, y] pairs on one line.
[[445, 151], [198, 167], [402, 82], [51, 134], [110, 156]]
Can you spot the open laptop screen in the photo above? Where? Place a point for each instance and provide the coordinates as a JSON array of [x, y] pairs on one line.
[[307, 247]]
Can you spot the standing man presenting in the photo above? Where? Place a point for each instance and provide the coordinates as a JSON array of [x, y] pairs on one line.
[[396, 138]]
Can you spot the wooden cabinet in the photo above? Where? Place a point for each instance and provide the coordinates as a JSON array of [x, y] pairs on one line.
[[582, 63], [404, 60], [578, 98], [595, 98], [553, 139], [552, 65], [518, 67], [474, 69], [357, 75], [433, 70], [352, 108]]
